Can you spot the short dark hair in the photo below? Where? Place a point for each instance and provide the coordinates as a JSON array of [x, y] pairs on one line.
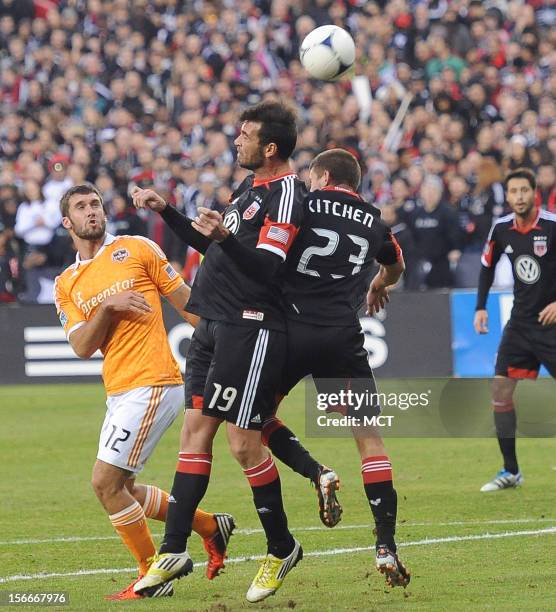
[[277, 125], [522, 173], [83, 189], [342, 166]]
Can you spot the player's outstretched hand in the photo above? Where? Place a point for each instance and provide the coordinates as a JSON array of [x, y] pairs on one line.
[[377, 296], [209, 223], [127, 301], [547, 315], [147, 198], [480, 322]]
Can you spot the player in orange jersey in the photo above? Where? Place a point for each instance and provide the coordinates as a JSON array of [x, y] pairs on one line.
[[109, 300]]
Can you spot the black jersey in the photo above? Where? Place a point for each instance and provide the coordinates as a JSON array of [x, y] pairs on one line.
[[263, 215], [330, 264], [532, 252]]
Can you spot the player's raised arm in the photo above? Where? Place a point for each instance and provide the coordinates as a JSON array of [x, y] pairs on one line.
[[178, 223]]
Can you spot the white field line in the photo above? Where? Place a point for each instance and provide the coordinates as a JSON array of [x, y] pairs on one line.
[[70, 539], [316, 553]]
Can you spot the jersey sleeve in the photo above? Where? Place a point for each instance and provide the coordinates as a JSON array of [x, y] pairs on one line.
[[492, 250], [284, 210], [70, 315], [390, 252], [160, 271]]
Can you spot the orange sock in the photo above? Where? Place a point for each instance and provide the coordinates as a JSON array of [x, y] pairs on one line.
[[131, 525], [156, 503], [204, 523], [156, 507]]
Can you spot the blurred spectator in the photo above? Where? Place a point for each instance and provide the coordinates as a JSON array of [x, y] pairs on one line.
[[546, 187], [124, 220], [437, 236]]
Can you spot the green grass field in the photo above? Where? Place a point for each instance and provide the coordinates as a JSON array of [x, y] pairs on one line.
[[466, 550]]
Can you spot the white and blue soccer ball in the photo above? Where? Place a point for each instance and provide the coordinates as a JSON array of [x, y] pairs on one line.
[[327, 53]]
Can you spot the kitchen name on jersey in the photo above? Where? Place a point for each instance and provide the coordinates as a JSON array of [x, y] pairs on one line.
[[340, 209]]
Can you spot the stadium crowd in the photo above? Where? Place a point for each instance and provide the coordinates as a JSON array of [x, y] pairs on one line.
[[148, 93]]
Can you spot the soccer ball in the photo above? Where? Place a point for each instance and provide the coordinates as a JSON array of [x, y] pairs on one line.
[[327, 53]]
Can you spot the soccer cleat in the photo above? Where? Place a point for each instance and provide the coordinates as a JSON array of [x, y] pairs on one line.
[[216, 545], [330, 511], [503, 480], [164, 568], [388, 563], [164, 590], [271, 574]]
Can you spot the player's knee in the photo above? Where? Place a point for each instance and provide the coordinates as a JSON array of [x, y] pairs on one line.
[[104, 488], [502, 390], [245, 452]]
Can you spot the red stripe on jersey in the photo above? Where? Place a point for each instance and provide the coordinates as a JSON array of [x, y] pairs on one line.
[[527, 228], [488, 252], [262, 474], [194, 463], [259, 182], [399, 254], [522, 373], [277, 236], [343, 189]]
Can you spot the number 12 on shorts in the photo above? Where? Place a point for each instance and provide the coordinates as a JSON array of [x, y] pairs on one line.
[[123, 438], [228, 394]]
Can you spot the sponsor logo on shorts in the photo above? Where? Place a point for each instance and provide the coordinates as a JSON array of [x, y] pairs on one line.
[[251, 211], [539, 245], [254, 315], [527, 269], [256, 419], [120, 255]]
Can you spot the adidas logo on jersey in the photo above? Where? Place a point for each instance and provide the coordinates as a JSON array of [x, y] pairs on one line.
[[256, 419], [508, 249]]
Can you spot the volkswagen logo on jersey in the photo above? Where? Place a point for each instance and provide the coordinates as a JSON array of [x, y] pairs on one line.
[[527, 269], [232, 221]]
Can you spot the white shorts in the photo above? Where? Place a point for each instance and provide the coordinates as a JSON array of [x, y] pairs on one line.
[[134, 423]]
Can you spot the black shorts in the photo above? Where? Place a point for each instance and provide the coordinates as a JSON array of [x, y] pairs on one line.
[[336, 358], [233, 372], [524, 348]]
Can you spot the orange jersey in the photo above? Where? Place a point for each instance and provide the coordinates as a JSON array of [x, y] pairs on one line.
[[136, 350]]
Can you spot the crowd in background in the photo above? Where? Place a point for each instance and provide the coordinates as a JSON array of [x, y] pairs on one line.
[[148, 92]]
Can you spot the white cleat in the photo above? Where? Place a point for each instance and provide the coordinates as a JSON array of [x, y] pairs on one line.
[[503, 480]]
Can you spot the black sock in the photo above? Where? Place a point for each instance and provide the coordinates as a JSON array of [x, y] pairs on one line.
[[267, 496], [284, 444], [382, 497], [187, 492], [505, 423]]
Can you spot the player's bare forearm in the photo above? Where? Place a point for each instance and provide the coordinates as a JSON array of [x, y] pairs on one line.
[[391, 274], [92, 335], [179, 299], [86, 340]]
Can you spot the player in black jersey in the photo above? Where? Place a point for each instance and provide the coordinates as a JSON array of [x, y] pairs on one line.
[[328, 274], [528, 237], [237, 352]]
